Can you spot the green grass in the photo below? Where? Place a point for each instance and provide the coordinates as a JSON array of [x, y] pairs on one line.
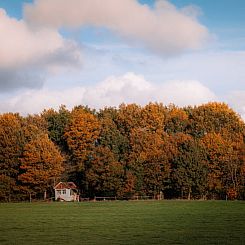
[[122, 222]]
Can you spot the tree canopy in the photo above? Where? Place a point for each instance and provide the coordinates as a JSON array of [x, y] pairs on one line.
[[190, 152]]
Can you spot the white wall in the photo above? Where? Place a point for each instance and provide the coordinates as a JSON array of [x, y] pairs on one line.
[[64, 194]]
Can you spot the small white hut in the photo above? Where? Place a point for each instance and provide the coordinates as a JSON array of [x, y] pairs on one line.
[[66, 191]]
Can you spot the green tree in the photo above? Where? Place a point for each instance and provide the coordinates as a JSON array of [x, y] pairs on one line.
[[111, 137], [104, 175], [56, 124], [189, 169]]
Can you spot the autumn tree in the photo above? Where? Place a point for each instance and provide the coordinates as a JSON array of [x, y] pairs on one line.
[[133, 116], [150, 160], [234, 175], [11, 145], [129, 117], [35, 121], [214, 117], [190, 152], [176, 120], [153, 117], [41, 165], [81, 136], [225, 167], [242, 160]]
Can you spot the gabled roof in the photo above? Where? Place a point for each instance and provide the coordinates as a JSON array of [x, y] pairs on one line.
[[65, 185]]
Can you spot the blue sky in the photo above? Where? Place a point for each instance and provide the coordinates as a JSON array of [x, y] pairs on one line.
[[185, 52]]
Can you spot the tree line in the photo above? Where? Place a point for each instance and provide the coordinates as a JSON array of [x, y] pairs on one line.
[[190, 152]]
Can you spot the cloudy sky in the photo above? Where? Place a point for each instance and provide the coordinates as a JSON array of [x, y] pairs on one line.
[[102, 53]]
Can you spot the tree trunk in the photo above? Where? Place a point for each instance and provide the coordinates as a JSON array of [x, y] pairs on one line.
[[189, 194]]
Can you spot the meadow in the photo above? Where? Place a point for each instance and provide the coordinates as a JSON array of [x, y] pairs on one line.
[[123, 222]]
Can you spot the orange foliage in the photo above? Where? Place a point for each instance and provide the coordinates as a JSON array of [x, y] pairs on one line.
[[150, 156], [132, 149], [81, 135], [41, 163]]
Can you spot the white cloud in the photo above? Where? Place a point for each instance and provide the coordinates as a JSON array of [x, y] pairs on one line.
[[237, 100], [185, 93], [23, 51], [129, 88], [221, 71], [34, 101], [113, 91], [20, 45], [164, 28]]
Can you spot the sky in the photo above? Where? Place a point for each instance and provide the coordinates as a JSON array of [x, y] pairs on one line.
[[104, 53]]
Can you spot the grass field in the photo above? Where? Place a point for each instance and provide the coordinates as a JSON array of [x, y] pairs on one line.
[[122, 222]]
